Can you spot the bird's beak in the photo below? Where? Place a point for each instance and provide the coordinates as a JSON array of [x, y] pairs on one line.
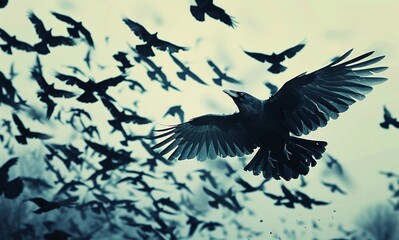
[[231, 93]]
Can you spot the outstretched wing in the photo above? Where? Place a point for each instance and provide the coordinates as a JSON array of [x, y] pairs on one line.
[[71, 80], [207, 136], [308, 101], [38, 24], [258, 56], [64, 18], [137, 29], [164, 45], [219, 14], [290, 52]]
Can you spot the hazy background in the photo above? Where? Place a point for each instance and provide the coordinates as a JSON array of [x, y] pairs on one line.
[[329, 29]]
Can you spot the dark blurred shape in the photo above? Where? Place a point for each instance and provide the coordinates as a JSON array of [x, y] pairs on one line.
[[3, 3], [378, 222], [47, 37], [225, 199], [213, 11], [333, 187], [77, 27], [175, 110], [273, 88], [276, 59], [151, 40], [248, 187], [90, 86], [389, 120], [11, 189], [12, 41], [46, 206], [57, 235], [221, 75], [26, 132], [185, 71], [121, 58]]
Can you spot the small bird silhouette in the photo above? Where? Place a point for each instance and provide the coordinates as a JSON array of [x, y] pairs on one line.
[[13, 42], [221, 75], [151, 40], [26, 132], [389, 120], [276, 59], [213, 11]]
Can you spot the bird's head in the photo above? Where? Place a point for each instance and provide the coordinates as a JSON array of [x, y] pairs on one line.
[[245, 102]]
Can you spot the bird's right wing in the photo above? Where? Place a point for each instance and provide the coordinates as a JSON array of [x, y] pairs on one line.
[[308, 101], [207, 136], [4, 35], [137, 29], [258, 56], [64, 18], [70, 80], [38, 24]]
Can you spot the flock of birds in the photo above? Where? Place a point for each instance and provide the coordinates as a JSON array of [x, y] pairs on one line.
[[157, 204]]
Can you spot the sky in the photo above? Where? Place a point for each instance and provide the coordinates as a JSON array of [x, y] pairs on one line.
[[328, 28]]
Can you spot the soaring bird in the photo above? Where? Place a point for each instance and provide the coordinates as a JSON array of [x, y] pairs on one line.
[[302, 105], [47, 38], [213, 11], [151, 40], [276, 59], [12, 41]]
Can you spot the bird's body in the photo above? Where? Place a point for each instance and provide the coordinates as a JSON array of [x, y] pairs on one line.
[[302, 105]]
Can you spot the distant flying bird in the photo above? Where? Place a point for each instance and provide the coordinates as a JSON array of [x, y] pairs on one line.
[[389, 120], [151, 40], [248, 187], [48, 90], [90, 87], [302, 105], [87, 59], [47, 37], [121, 57], [26, 132], [273, 88], [13, 42], [175, 110], [333, 187], [277, 59], [221, 75], [213, 11], [333, 164], [77, 27], [185, 71], [11, 189], [46, 206]]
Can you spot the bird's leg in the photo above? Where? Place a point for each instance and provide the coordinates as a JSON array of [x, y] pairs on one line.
[[286, 152]]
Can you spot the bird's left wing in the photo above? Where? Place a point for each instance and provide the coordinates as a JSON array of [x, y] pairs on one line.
[[38, 24], [291, 52], [308, 101], [137, 29], [207, 136], [164, 45], [64, 18]]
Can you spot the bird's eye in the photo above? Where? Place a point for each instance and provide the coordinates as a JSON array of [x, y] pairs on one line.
[[241, 94]]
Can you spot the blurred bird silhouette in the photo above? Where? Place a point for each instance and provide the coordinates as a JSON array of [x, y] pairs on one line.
[[175, 110], [13, 42], [121, 57], [213, 11], [26, 133], [46, 206], [302, 105], [47, 37], [276, 59], [389, 120], [151, 40], [77, 27], [273, 88], [11, 189], [185, 71], [221, 75], [333, 187], [90, 87]]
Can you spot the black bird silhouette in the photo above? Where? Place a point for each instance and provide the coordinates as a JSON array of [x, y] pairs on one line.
[[3, 3], [133, 84], [121, 57], [390, 174], [334, 165], [48, 90], [248, 187], [90, 87], [77, 27], [213, 11], [273, 88], [206, 175], [333, 187], [151, 40], [221, 75], [185, 71], [11, 189], [13, 42], [307, 201], [226, 199], [175, 110], [277, 59], [302, 105], [26, 132], [7, 88], [87, 59], [46, 206], [47, 37], [389, 120]]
